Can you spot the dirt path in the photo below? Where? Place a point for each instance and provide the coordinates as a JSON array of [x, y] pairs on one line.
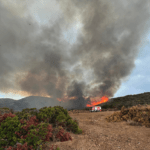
[[102, 135]]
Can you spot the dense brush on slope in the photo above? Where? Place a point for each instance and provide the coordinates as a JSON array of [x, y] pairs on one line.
[[127, 101]]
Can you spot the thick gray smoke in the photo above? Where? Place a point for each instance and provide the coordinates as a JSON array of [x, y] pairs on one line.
[[37, 60]]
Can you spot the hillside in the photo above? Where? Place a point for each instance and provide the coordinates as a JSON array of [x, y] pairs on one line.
[[127, 101], [39, 102], [27, 102]]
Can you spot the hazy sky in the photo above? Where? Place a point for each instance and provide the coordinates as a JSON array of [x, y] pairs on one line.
[[84, 50]]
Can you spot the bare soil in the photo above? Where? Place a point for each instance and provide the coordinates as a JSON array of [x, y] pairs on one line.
[[102, 135]]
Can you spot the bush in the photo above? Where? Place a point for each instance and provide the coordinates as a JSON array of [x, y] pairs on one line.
[[136, 115], [32, 128], [6, 108], [12, 130], [7, 130]]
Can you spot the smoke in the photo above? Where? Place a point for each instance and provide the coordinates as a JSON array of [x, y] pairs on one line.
[[36, 60]]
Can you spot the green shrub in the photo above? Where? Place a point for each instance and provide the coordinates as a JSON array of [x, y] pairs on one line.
[[55, 116], [26, 131], [7, 130], [72, 125], [6, 108]]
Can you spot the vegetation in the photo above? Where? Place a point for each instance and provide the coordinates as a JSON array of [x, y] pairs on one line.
[[127, 101], [137, 115], [32, 128], [27, 126]]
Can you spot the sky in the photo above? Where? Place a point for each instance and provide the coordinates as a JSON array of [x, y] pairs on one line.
[[79, 58]]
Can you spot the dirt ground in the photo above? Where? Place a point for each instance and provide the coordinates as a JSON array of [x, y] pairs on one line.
[[102, 135]]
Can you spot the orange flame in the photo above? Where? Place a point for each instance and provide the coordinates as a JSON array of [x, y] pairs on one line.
[[94, 101], [97, 101]]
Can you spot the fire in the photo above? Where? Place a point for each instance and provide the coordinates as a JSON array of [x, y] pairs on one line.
[[97, 100], [94, 100]]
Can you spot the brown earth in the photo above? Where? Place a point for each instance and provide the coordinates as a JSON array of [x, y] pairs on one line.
[[99, 134]]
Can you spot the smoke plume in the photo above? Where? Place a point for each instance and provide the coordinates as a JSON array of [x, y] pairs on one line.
[[36, 59]]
